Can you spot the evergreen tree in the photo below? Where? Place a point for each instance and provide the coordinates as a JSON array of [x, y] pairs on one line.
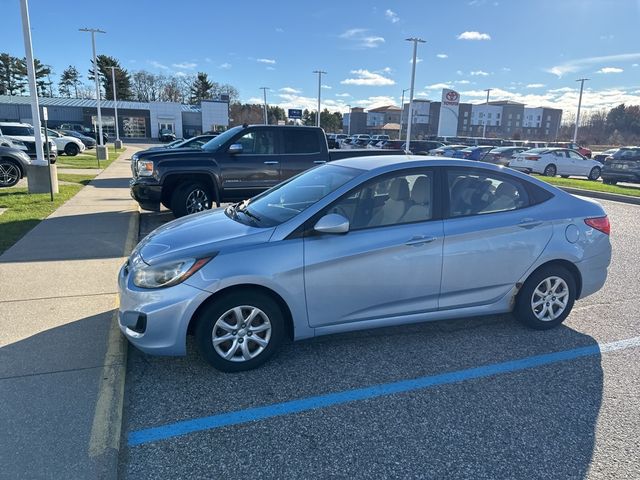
[[123, 81], [13, 75], [201, 89], [69, 81]]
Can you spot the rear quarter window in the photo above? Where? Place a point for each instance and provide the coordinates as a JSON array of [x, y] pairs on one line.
[[301, 141]]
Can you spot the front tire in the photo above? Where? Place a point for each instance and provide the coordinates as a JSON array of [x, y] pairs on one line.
[[594, 174], [190, 198], [546, 298], [9, 173], [550, 170], [71, 149], [240, 331]]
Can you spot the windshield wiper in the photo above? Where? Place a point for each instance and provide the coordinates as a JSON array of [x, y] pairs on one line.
[[243, 209]]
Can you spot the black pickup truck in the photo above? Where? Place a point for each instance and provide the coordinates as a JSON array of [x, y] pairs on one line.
[[240, 163]]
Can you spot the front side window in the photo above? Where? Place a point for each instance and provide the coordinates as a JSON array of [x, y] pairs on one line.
[[476, 193], [575, 155], [393, 200], [258, 143]]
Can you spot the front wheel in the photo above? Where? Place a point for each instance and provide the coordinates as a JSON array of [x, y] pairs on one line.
[[240, 331], [190, 198], [546, 298], [594, 174], [607, 181], [550, 171], [71, 149], [9, 173]]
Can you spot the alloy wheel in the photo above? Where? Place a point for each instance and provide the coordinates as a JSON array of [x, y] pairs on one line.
[[241, 333], [550, 298], [197, 201], [9, 174]]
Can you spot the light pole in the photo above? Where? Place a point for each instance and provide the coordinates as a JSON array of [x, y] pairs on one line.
[[264, 91], [349, 126], [575, 132], [415, 41], [484, 129], [101, 150], [118, 142], [401, 112], [320, 72]]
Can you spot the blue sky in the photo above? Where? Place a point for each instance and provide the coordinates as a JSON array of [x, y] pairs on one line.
[[526, 50]]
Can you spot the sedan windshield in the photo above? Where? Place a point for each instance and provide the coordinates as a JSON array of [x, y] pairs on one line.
[[288, 199]]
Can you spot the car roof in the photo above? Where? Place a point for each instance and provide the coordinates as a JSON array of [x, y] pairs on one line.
[[376, 162], [14, 124]]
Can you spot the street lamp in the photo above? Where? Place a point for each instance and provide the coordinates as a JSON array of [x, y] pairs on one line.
[[575, 132], [349, 126], [415, 41], [320, 72], [101, 150], [484, 129], [264, 91], [402, 112], [118, 142]]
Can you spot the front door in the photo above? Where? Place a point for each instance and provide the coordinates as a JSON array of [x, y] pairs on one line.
[[493, 234], [388, 265]]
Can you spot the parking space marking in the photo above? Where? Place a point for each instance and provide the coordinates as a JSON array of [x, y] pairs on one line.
[[176, 429]]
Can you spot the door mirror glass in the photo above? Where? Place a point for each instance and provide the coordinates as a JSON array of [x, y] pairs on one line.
[[332, 223], [235, 149]]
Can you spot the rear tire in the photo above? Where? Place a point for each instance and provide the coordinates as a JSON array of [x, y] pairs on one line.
[[607, 181], [10, 173], [550, 170], [594, 174], [71, 149], [190, 198], [546, 298], [251, 321]]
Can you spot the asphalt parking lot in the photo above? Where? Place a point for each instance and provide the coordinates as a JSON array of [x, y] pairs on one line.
[[576, 415]]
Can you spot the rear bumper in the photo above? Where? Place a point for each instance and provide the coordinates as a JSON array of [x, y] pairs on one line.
[[148, 196], [621, 175]]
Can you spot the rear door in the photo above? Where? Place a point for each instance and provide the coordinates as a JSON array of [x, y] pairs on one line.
[[493, 234], [301, 150]]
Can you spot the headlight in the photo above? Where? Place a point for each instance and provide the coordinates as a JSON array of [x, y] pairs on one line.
[[168, 274], [134, 157], [145, 168]]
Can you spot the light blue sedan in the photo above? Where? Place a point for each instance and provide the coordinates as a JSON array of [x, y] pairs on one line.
[[362, 243]]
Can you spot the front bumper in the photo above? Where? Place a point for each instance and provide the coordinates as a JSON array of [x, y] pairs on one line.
[[148, 196], [156, 320]]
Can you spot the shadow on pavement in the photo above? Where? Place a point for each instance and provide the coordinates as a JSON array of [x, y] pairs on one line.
[[535, 423]]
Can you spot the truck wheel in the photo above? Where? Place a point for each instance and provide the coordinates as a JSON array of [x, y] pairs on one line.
[[71, 149], [190, 198]]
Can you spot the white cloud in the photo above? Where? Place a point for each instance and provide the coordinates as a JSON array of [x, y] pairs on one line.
[[181, 74], [459, 72], [442, 55], [391, 16], [266, 60], [479, 73], [157, 64], [374, 102], [327, 87], [606, 37], [288, 100], [360, 39], [290, 90], [418, 60], [208, 60], [342, 95], [536, 85], [463, 82], [270, 68], [573, 66], [224, 66], [438, 86], [561, 90], [474, 36], [387, 70], [635, 65], [365, 77], [280, 30], [506, 69], [610, 70], [256, 100], [185, 65]]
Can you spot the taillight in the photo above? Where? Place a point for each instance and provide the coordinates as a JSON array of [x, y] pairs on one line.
[[599, 223], [532, 157]]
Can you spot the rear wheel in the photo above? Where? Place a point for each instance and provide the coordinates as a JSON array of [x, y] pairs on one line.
[[607, 181], [240, 331], [71, 149], [190, 198], [550, 170], [594, 174], [546, 298], [564, 176], [9, 173]]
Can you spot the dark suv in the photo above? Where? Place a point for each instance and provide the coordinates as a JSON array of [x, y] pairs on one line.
[[622, 166]]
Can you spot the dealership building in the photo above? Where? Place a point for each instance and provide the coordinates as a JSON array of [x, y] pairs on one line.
[[136, 120]]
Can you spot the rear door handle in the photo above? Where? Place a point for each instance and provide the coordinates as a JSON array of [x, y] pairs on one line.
[[421, 240], [529, 223], [271, 162]]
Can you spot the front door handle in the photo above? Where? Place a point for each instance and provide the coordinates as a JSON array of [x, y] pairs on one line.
[[271, 162], [319, 161], [421, 240], [529, 223]]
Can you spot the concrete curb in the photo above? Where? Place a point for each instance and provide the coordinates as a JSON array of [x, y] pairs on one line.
[[614, 197]]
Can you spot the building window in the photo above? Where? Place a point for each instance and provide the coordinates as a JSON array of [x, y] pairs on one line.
[[518, 116], [509, 123], [548, 124], [538, 118], [481, 114], [497, 115], [466, 114], [547, 132], [548, 118], [134, 127], [497, 123], [538, 125], [517, 123], [108, 124], [510, 116], [489, 115]]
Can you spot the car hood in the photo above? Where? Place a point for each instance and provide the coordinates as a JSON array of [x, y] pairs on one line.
[[166, 152], [199, 235]]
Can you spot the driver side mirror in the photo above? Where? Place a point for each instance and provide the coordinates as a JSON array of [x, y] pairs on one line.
[[332, 223], [235, 148]]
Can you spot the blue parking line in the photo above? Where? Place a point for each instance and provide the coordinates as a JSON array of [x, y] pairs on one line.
[[176, 429]]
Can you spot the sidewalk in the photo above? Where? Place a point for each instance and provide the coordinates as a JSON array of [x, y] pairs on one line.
[[61, 354]]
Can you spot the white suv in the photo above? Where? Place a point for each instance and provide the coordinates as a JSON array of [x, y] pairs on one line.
[[69, 145], [22, 133]]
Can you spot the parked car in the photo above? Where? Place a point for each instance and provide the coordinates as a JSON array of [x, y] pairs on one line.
[[393, 145], [86, 140], [332, 141], [240, 163], [166, 135], [23, 134], [361, 143], [622, 166], [66, 144], [502, 155], [447, 150], [585, 152], [193, 142], [602, 156], [423, 146], [77, 127], [362, 243], [473, 153], [556, 161], [13, 165]]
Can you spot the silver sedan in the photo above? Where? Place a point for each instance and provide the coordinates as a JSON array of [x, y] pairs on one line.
[[362, 243]]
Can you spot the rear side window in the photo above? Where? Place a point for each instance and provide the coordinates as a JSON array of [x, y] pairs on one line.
[[18, 131], [301, 141]]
